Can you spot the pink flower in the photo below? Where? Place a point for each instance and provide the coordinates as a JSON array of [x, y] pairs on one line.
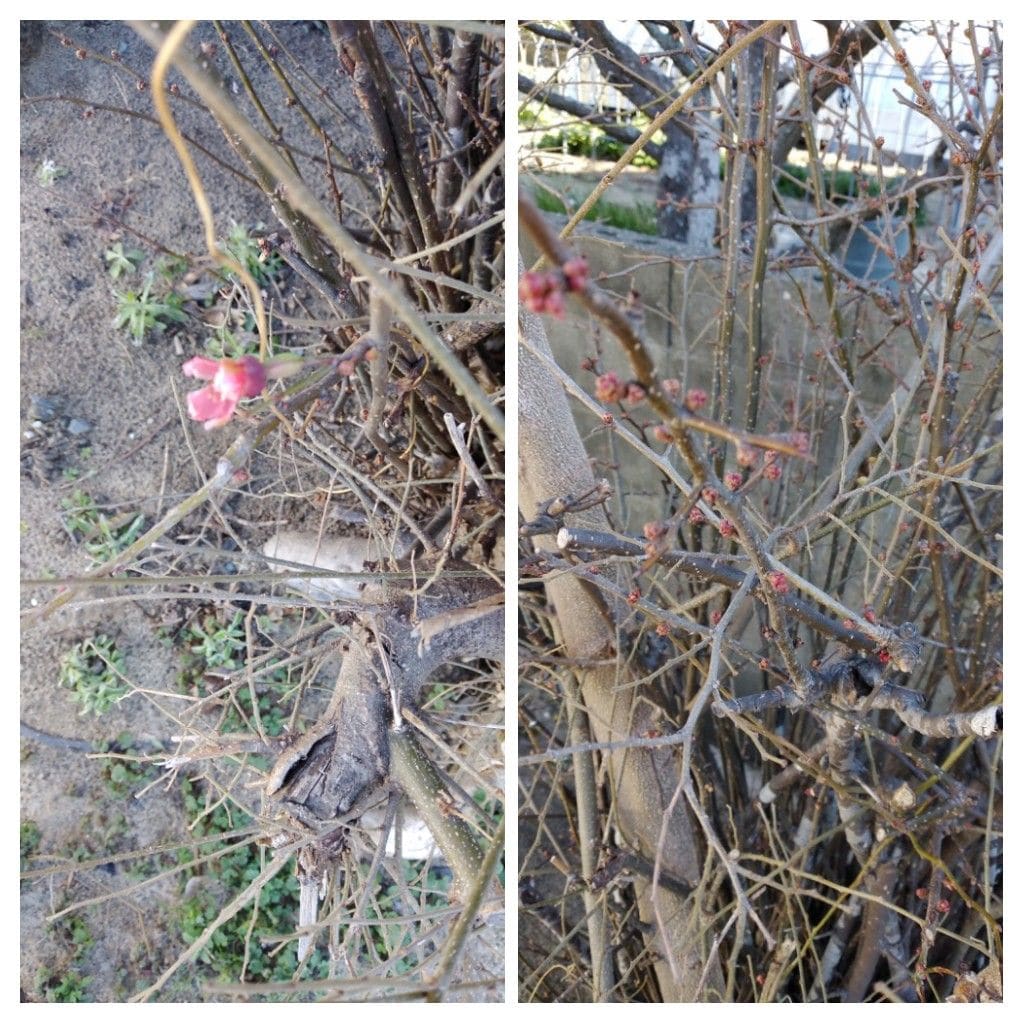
[[231, 380], [779, 582], [733, 481]]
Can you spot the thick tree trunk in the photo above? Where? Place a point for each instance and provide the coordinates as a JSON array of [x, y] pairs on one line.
[[705, 185], [685, 179], [553, 462], [688, 172]]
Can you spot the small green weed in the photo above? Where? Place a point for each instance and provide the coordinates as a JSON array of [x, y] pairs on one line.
[[94, 672], [101, 832], [125, 773], [49, 173], [277, 914], [428, 886], [140, 312], [101, 537], [256, 258], [225, 344], [121, 261], [437, 697], [272, 714], [58, 981], [216, 643], [492, 808], [67, 988], [123, 778], [170, 268], [492, 811], [31, 837], [74, 931]]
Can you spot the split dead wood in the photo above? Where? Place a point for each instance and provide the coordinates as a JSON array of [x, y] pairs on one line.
[[398, 639]]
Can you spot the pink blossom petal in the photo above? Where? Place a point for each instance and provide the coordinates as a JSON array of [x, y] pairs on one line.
[[201, 367], [240, 378], [208, 406]]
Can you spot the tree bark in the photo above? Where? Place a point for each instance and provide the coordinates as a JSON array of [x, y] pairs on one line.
[[553, 462], [688, 173]]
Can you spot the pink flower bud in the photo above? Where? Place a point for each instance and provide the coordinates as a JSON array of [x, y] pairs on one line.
[[726, 528], [532, 290], [542, 293], [801, 442], [554, 304], [734, 481], [575, 271], [746, 456], [779, 582], [696, 399], [655, 530], [609, 388]]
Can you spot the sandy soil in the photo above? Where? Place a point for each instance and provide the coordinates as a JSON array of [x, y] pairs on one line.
[[106, 416], [74, 361]]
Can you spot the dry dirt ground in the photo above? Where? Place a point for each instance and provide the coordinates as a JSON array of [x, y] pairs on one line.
[[103, 416]]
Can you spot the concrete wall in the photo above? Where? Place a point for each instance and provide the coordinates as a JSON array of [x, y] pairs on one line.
[[682, 302]]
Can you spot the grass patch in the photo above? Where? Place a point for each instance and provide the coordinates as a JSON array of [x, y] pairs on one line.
[[640, 217]]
